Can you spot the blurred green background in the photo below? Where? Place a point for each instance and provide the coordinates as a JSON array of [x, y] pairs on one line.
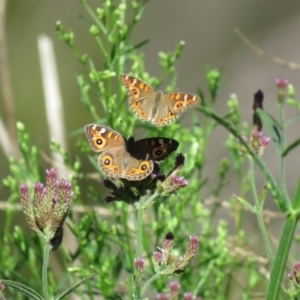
[[207, 27]]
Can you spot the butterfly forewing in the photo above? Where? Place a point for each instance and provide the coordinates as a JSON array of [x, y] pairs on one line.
[[156, 149], [155, 106]]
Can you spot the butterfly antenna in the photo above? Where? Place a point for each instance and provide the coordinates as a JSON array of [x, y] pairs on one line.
[[125, 129], [143, 131]]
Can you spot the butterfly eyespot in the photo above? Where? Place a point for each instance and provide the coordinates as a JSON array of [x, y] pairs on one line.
[[99, 142], [144, 167], [136, 104], [116, 169], [132, 172], [106, 161], [179, 106], [135, 91], [158, 152]]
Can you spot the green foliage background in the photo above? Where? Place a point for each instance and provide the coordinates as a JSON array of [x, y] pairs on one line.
[[228, 264]]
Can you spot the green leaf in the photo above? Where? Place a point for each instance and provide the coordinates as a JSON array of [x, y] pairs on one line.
[[296, 200], [273, 128], [275, 286], [93, 162], [135, 47], [25, 290], [72, 288], [246, 204], [290, 148]]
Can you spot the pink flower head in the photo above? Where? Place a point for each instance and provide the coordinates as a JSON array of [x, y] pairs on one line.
[[281, 82], [139, 264], [49, 208]]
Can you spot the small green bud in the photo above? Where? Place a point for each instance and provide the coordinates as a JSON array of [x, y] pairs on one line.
[[100, 12], [108, 4], [69, 38], [134, 5], [122, 6], [233, 105], [77, 166], [24, 147], [293, 102], [94, 30], [84, 58], [20, 126], [291, 91], [213, 77], [93, 76], [59, 26], [224, 167], [34, 151]]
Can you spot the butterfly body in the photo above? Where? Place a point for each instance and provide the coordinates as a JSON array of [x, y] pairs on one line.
[[130, 159], [155, 106]]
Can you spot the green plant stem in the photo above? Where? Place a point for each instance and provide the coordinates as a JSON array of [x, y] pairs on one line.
[[259, 215], [139, 228], [101, 46], [95, 17], [127, 234], [139, 243], [208, 270], [281, 257], [47, 249], [141, 205], [282, 202], [282, 159], [150, 200], [148, 282]]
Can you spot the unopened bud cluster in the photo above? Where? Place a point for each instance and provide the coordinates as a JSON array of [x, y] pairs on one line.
[[49, 208], [173, 264], [295, 275], [257, 140], [173, 182], [174, 293]]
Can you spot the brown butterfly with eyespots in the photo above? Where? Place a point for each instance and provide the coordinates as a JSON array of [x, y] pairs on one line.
[[129, 159], [156, 106]]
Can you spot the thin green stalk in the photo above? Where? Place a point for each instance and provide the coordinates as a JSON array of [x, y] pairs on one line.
[[207, 272], [127, 235], [139, 243], [101, 46], [95, 17], [148, 282], [259, 214], [282, 201], [101, 26], [281, 257], [141, 205], [282, 158], [47, 249], [150, 199], [139, 228]]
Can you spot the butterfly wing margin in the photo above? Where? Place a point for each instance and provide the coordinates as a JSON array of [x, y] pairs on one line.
[[102, 138], [141, 96], [171, 105], [115, 161], [118, 163], [155, 149]]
